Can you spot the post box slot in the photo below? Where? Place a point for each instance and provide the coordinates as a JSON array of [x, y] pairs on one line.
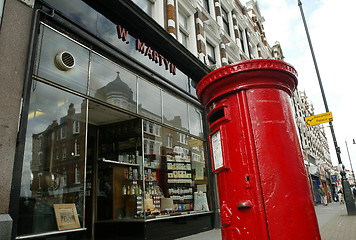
[[248, 179], [216, 115]]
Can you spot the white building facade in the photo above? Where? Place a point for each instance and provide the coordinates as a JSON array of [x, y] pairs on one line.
[[315, 148]]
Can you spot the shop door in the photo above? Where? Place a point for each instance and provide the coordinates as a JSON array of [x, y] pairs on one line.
[[114, 165]]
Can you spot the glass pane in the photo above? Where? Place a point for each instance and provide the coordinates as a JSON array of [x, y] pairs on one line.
[[192, 87], [102, 27], [77, 11], [119, 181], [175, 112], [183, 21], [149, 100], [197, 150], [195, 121], [145, 5], [112, 83], [54, 160], [62, 61], [176, 179]]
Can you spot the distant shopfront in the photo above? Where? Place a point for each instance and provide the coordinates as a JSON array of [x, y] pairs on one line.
[[115, 143]]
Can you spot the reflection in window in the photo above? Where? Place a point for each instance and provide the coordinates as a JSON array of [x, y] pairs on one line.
[[149, 100], [76, 148], [181, 160], [63, 132], [175, 112], [145, 5], [195, 121], [50, 110], [64, 153], [76, 127], [77, 175], [50, 46], [112, 83]]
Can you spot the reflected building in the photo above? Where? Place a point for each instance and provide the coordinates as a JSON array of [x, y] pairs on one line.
[[117, 93], [58, 158]]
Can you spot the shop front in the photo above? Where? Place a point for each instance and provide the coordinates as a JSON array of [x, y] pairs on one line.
[[115, 143]]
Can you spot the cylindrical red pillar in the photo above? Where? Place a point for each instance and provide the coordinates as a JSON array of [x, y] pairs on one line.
[[262, 181]]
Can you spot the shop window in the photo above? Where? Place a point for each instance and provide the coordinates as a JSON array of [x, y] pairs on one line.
[[112, 83], [49, 112], [174, 173], [149, 100], [145, 5], [195, 121], [184, 167], [49, 64], [175, 112]]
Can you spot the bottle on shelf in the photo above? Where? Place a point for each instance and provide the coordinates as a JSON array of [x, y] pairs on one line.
[[130, 173], [128, 190], [124, 190]]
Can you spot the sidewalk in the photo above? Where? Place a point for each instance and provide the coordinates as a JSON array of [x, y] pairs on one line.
[[340, 227], [334, 224]]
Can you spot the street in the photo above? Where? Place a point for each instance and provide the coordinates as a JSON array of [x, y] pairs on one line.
[[334, 224]]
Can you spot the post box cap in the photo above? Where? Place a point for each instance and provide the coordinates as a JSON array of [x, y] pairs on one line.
[[244, 72]]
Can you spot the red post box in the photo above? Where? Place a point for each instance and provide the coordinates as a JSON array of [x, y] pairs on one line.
[[262, 181]]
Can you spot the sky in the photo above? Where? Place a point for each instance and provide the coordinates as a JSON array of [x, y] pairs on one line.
[[330, 25]]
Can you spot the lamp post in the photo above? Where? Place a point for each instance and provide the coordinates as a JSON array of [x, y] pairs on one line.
[[350, 203], [353, 173]]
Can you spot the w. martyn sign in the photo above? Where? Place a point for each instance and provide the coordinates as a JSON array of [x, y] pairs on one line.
[[147, 51], [318, 119]]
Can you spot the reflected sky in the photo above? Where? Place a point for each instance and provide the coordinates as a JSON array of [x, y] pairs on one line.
[[175, 112]]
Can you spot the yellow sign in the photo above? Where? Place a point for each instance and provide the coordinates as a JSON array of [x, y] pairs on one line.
[[318, 119], [195, 142]]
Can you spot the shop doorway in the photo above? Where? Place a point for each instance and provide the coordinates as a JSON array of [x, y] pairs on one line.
[[113, 165]]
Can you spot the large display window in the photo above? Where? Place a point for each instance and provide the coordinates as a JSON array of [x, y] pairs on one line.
[[104, 144], [54, 161]]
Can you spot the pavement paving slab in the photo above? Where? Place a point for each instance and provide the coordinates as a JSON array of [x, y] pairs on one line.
[[333, 221]]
